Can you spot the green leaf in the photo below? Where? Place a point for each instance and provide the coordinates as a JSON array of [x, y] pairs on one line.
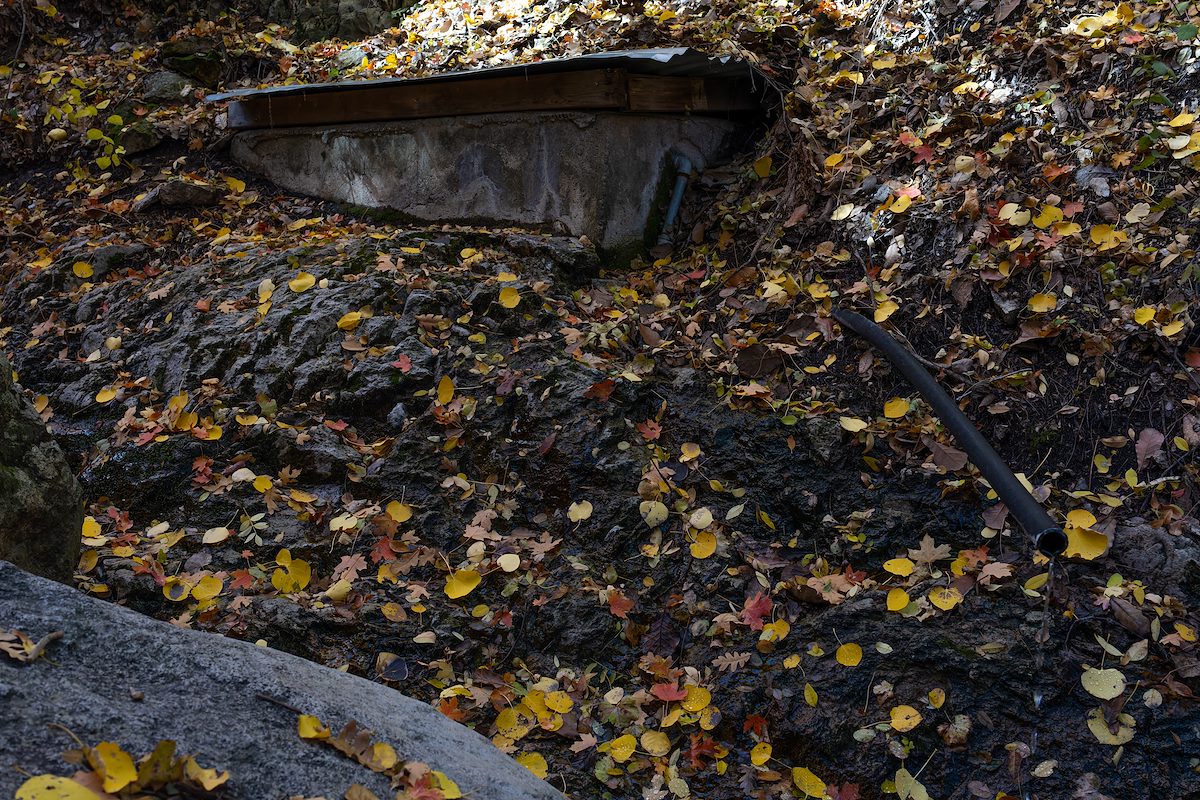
[[95, 134], [1186, 32]]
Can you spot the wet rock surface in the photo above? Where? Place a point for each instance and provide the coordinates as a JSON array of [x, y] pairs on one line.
[[41, 505], [353, 372]]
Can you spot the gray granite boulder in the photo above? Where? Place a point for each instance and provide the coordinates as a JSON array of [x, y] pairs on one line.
[[118, 676], [41, 505]]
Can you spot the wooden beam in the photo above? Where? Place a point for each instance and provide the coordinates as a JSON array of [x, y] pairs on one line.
[[659, 94], [602, 89]]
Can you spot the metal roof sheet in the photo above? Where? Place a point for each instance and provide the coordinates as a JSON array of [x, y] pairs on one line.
[[666, 61]]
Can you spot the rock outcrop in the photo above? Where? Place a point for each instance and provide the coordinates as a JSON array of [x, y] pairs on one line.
[[41, 505], [118, 676]]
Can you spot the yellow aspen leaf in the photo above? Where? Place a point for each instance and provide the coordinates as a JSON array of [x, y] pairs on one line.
[[792, 661], [235, 185], [506, 277], [1014, 214], [448, 788], [399, 512], [114, 766], [207, 587], [701, 518], [1144, 315], [535, 763], [905, 718], [852, 424], [509, 562], [461, 583], [1037, 581], [349, 321], [654, 512], [559, 701], [622, 748], [1048, 216], [833, 160], [339, 590], [895, 408], [1186, 632], [579, 511], [900, 204], [53, 787], [507, 723], [775, 631], [689, 451], [807, 782], [1182, 120], [445, 390], [937, 698], [1171, 328], [309, 727], [1106, 684], [656, 743], [897, 600], [697, 699], [106, 395], [91, 528], [760, 753], [82, 269], [810, 695], [1120, 732], [849, 655], [885, 310], [263, 484], [302, 282], [292, 576], [509, 297], [945, 598], [762, 167], [383, 756], [1081, 518], [175, 589], [842, 212], [704, 546], [1084, 543], [1105, 237], [899, 566], [1041, 303]]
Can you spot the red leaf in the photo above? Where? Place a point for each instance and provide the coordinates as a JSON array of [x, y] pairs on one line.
[[383, 550], [402, 363], [756, 608], [756, 725], [650, 430], [601, 390], [619, 605], [668, 692], [702, 747], [242, 579]]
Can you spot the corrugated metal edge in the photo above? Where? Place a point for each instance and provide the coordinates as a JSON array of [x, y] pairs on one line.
[[667, 61]]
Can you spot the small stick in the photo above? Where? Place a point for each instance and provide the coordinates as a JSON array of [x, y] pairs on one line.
[[41, 646]]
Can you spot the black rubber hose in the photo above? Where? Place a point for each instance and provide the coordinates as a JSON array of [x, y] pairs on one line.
[[1048, 537]]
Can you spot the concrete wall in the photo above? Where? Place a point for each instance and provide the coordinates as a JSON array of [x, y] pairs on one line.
[[593, 174]]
